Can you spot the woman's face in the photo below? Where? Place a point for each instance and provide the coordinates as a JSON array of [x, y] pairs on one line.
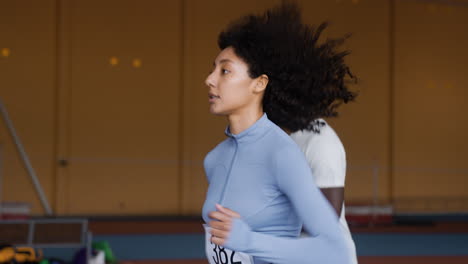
[[231, 90]]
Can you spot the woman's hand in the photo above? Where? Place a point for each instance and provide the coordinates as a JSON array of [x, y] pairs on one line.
[[221, 224]]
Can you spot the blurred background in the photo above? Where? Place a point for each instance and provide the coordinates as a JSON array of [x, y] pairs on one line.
[[109, 102]]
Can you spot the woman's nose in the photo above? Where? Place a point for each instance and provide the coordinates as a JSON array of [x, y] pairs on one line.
[[209, 81]]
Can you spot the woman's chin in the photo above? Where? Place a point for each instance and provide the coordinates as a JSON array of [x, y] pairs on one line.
[[215, 111]]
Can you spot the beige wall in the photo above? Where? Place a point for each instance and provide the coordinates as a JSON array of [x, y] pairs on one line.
[[28, 89], [135, 137], [123, 133], [430, 147]]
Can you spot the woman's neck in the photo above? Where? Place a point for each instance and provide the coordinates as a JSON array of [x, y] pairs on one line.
[[240, 122]]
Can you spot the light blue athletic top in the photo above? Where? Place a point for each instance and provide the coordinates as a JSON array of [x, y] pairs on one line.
[[263, 175]]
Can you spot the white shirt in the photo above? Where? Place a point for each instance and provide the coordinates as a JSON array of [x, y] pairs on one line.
[[327, 159]]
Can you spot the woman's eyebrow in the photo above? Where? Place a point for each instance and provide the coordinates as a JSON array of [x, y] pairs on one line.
[[222, 61]]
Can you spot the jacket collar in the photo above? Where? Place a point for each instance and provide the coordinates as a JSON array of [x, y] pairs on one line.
[[253, 133]]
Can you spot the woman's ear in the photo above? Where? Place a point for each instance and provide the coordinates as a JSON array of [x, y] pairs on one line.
[[261, 83]]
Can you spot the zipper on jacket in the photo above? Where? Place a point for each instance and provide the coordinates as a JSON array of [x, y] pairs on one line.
[[228, 176]]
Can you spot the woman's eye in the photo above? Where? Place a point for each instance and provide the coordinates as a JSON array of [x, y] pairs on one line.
[[224, 71]]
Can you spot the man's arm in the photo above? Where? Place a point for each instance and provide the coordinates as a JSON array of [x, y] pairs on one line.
[[335, 196]]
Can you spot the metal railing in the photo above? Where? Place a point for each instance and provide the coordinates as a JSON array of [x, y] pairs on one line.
[[25, 159]]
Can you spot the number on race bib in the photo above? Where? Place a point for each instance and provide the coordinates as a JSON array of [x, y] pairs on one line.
[[232, 259], [222, 256], [216, 253]]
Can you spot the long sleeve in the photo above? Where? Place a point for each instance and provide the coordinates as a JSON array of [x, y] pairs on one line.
[[325, 244]]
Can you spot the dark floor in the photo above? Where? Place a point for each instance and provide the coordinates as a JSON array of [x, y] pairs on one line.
[[193, 226], [362, 260]]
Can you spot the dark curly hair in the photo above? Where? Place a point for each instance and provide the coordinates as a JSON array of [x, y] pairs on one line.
[[307, 80]]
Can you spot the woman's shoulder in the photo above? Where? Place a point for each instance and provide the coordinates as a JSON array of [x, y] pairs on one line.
[[281, 146], [279, 139]]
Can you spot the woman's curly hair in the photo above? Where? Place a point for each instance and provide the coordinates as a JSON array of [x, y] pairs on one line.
[[307, 80]]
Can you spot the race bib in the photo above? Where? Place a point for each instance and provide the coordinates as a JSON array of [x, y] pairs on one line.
[[220, 255]]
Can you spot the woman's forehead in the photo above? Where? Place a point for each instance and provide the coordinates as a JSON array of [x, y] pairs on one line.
[[227, 55]]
